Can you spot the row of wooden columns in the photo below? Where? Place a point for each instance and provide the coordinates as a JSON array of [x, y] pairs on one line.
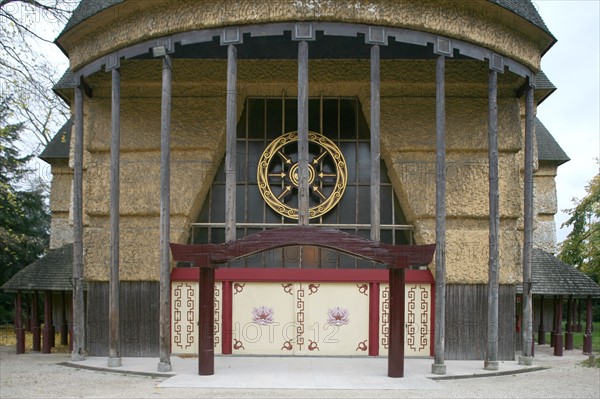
[[43, 339]]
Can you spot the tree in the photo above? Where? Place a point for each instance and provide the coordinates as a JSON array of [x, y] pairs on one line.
[[581, 248], [26, 74], [24, 215]]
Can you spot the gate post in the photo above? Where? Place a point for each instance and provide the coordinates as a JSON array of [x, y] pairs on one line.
[[396, 337], [206, 351]]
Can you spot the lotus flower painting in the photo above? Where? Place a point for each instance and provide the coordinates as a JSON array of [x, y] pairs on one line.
[[338, 316], [262, 315]]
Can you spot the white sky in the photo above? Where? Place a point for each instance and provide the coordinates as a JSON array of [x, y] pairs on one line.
[[572, 113]]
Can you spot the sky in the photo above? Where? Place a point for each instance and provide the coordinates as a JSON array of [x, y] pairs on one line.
[[572, 112]]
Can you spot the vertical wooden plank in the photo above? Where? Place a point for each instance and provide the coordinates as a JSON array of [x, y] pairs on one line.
[[396, 324], [19, 330], [587, 338], [303, 190], [206, 351], [374, 319], [35, 318], [64, 339], [569, 332], [78, 352], [438, 366], [491, 357], [114, 356], [230, 155], [47, 330], [558, 336], [375, 143], [541, 329], [527, 321], [227, 323], [164, 364]]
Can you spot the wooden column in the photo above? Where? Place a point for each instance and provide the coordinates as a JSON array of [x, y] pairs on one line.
[[554, 321], [35, 327], [26, 312], [227, 326], [47, 330], [438, 366], [78, 352], [396, 325], [164, 364], [527, 331], [587, 337], [374, 319], [541, 330], [491, 355], [206, 352], [578, 327], [19, 330], [114, 352], [569, 333], [64, 327], [375, 144], [303, 191], [231, 152], [558, 336]]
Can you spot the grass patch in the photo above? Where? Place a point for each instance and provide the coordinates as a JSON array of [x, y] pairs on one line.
[[587, 363], [9, 338]]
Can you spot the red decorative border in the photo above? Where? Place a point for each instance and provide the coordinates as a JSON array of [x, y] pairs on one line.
[[303, 275]]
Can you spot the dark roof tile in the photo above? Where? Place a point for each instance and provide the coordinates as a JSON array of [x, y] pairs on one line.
[[548, 148], [58, 148]]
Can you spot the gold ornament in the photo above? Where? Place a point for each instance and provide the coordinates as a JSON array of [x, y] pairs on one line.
[[277, 174]]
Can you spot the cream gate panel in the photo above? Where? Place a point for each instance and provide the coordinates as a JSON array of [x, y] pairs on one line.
[[184, 317], [417, 317]]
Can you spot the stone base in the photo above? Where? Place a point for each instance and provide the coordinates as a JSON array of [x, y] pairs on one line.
[[114, 362], [526, 360], [490, 365], [164, 367], [438, 369], [77, 357]]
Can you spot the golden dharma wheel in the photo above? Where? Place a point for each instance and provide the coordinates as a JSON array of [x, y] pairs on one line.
[[277, 174]]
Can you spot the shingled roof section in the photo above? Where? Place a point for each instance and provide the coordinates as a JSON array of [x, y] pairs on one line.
[[523, 8], [548, 149], [58, 148], [551, 276], [52, 272]]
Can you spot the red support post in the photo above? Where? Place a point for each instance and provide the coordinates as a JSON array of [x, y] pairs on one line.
[[35, 324], [27, 313], [64, 326], [569, 333], [19, 330], [558, 336], [47, 330], [206, 350], [578, 326], [374, 319], [541, 330], [554, 316], [587, 338], [396, 327], [227, 327]]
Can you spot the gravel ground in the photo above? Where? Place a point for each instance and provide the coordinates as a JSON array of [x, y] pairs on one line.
[[40, 376]]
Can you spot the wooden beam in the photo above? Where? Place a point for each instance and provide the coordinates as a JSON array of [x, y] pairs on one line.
[[303, 190], [438, 366], [230, 155], [114, 356], [78, 352], [491, 355], [527, 331], [47, 330], [569, 333], [64, 325], [541, 329], [19, 330], [35, 327], [206, 351], [587, 338], [374, 312], [375, 144], [396, 325], [164, 364], [558, 336]]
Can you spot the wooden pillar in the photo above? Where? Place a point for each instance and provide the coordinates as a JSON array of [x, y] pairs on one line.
[[491, 355], [19, 330], [164, 364], [303, 191], [230, 155], [587, 337], [35, 327], [227, 326], [558, 336], [527, 330], [71, 331], [78, 352], [541, 330], [375, 144], [64, 327], [396, 325], [26, 312], [114, 352], [47, 330], [438, 366], [206, 352], [374, 319], [569, 333], [578, 327]]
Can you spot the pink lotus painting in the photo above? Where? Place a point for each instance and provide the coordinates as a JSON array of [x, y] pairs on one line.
[[262, 315], [338, 316]]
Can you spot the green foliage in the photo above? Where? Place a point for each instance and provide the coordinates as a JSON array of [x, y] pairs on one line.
[[24, 216], [581, 248]]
